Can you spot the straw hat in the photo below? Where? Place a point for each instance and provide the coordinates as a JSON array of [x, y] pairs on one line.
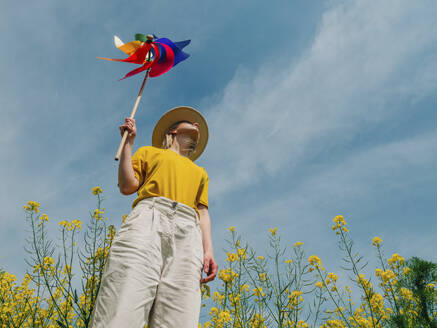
[[182, 113]]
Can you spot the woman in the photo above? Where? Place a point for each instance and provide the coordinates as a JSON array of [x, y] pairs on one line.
[[154, 267]]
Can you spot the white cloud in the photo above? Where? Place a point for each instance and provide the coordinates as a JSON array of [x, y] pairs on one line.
[[369, 62], [362, 69], [350, 188]]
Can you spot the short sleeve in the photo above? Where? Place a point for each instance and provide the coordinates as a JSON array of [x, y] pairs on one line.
[[203, 190], [139, 164]]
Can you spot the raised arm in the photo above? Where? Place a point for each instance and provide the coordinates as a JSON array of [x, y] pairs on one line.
[[127, 182]]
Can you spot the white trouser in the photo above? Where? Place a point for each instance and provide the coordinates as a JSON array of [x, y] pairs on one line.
[[152, 275]]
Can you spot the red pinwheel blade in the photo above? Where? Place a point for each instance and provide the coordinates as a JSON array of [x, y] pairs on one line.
[[138, 57], [137, 70], [159, 68]]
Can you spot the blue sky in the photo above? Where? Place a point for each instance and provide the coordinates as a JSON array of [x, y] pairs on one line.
[[315, 108]]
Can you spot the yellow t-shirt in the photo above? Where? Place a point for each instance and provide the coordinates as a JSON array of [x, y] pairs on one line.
[[163, 172]]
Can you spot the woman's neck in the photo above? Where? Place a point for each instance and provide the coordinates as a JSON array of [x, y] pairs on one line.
[[183, 145]]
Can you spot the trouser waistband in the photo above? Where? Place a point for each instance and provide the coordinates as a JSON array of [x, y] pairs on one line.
[[169, 207]]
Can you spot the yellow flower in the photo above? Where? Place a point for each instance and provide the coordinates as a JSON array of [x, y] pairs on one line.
[[77, 224], [288, 261], [217, 297], [257, 321], [319, 284], [406, 293], [67, 269], [231, 257], [377, 302], [47, 261], [97, 190], [339, 219], [98, 214], [231, 228], [361, 279], [340, 324], [224, 316], [261, 258], [69, 226], [295, 298], [101, 253], [301, 324], [32, 206], [339, 223], [44, 217], [111, 233], [258, 291], [244, 287], [386, 276], [213, 310], [406, 270], [297, 244], [262, 276], [315, 261], [206, 291], [227, 275], [235, 298], [64, 223], [396, 259], [241, 253], [273, 231], [332, 276], [376, 241]]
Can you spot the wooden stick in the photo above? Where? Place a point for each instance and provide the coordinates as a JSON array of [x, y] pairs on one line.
[[134, 110]]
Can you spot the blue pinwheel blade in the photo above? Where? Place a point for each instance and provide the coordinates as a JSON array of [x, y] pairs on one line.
[[179, 55], [182, 44]]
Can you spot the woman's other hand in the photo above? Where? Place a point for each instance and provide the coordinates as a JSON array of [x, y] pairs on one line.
[[209, 267]]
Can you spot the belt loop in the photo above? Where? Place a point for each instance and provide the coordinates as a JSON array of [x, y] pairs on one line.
[[153, 203], [174, 206]]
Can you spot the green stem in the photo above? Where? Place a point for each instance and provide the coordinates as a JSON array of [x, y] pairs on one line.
[[333, 299], [43, 268], [277, 293], [355, 270], [396, 306]]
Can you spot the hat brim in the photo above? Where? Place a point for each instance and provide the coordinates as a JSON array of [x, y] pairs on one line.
[[182, 113]]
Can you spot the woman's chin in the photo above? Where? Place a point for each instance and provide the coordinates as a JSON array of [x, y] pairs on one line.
[[191, 134]]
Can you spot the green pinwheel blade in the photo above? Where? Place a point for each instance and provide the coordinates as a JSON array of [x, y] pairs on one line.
[[140, 37]]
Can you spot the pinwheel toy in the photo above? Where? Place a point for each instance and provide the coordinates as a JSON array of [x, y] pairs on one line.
[[156, 57]]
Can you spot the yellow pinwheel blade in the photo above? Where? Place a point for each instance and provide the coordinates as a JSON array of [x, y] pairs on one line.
[[130, 47]]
